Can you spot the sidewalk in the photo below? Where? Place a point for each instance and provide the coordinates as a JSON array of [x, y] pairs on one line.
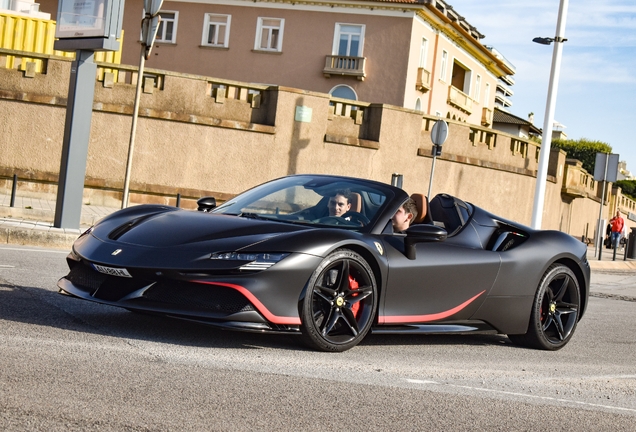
[[30, 223], [607, 262]]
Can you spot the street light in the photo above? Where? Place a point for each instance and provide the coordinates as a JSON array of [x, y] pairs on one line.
[[544, 155]]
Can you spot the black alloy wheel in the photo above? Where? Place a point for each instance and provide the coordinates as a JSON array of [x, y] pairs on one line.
[[340, 302], [555, 311]]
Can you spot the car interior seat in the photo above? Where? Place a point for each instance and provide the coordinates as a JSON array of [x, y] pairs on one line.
[[356, 202], [423, 215], [444, 209]]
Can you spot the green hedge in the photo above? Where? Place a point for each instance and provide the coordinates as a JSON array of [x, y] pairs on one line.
[[584, 150]]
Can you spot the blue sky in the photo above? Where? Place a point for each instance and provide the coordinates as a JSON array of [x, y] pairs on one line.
[[596, 96]]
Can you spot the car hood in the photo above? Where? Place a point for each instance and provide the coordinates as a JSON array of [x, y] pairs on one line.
[[182, 227], [169, 238]]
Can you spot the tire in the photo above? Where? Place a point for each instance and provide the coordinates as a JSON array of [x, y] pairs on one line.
[[340, 302], [555, 311]]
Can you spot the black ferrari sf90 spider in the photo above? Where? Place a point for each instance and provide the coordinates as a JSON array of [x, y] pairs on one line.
[[280, 258]]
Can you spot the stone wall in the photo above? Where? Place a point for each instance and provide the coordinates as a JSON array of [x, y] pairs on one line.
[[203, 136]]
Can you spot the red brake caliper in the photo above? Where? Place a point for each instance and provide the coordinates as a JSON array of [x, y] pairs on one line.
[[353, 285]]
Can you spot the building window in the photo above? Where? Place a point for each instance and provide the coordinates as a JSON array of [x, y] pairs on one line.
[[269, 34], [167, 31], [216, 30], [461, 77], [487, 95], [348, 40], [477, 88], [418, 105], [343, 92], [423, 53], [443, 67]]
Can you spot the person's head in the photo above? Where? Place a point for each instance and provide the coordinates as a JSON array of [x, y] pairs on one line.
[[339, 203], [618, 213], [404, 216]]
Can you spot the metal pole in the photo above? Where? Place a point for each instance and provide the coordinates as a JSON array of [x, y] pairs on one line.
[[178, 200], [430, 182], [544, 155], [77, 127], [133, 130], [396, 180], [599, 241], [13, 188]]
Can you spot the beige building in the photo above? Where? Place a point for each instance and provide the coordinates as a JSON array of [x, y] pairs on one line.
[[418, 55]]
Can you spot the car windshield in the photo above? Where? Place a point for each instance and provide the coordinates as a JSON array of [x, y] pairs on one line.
[[316, 200]]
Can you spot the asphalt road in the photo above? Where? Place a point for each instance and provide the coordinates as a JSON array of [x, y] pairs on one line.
[[69, 365]]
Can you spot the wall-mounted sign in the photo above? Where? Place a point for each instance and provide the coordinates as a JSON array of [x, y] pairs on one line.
[[303, 114]]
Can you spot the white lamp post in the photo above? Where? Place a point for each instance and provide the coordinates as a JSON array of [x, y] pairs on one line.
[[544, 155]]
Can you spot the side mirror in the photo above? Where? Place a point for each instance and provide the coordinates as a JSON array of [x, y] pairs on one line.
[[206, 204], [422, 233]]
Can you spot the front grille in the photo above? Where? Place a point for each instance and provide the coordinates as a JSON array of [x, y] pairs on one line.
[[84, 276], [180, 295], [199, 296], [102, 286]]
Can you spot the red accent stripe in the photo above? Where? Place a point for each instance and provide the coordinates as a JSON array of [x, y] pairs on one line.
[[401, 319], [257, 304]]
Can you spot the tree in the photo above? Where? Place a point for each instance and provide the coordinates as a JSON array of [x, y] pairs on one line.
[[628, 187], [584, 150]]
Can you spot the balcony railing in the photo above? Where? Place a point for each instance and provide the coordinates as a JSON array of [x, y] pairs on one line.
[[460, 100], [423, 82], [344, 65], [486, 116]]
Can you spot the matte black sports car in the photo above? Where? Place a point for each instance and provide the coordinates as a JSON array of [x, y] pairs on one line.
[[277, 259]]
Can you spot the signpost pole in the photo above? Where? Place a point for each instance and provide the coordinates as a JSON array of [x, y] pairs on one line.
[[439, 133], [149, 27], [605, 170], [133, 129], [430, 182], [599, 231]]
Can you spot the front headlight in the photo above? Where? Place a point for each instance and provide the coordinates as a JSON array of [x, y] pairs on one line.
[[257, 261]]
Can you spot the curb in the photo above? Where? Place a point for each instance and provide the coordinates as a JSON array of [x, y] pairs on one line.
[[46, 237], [612, 265]]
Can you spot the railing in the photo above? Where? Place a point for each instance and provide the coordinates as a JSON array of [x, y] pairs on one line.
[[460, 100], [347, 108], [488, 137], [423, 80], [31, 63], [518, 147], [486, 116], [577, 181], [344, 65], [221, 90]]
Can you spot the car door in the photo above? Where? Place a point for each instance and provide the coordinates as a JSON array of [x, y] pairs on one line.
[[445, 281]]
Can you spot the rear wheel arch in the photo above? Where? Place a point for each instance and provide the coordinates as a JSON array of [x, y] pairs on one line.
[[555, 310], [572, 265]]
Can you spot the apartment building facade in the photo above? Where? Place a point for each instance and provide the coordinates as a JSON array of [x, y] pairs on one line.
[[419, 55]]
